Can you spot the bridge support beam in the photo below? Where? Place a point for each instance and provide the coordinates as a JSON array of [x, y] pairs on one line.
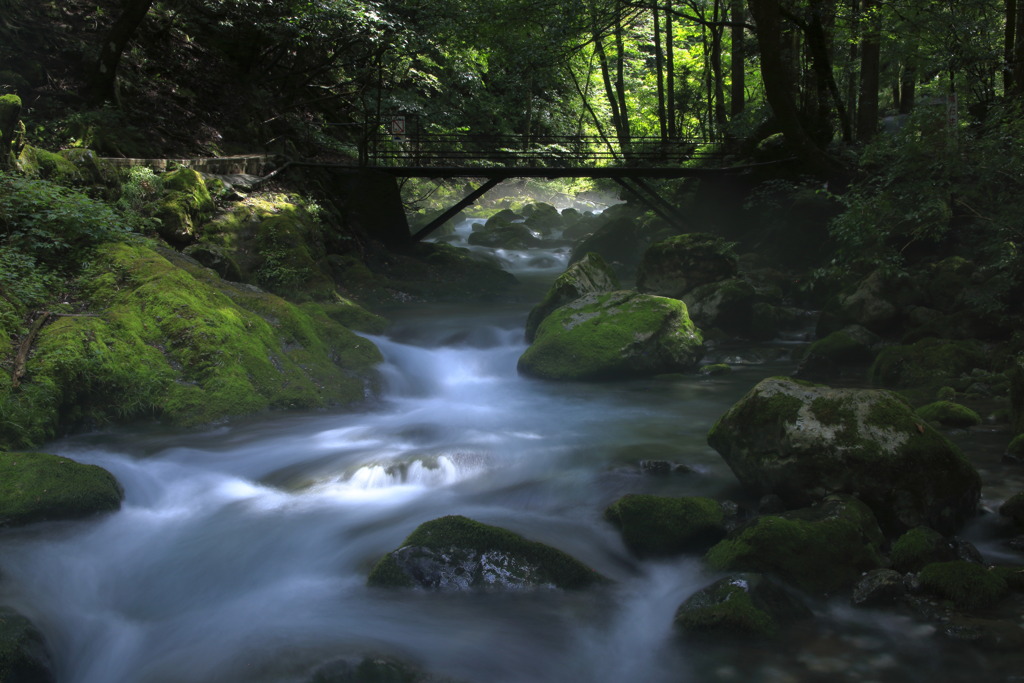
[[649, 196], [450, 213]]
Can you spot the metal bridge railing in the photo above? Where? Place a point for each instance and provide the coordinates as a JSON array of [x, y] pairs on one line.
[[452, 150]]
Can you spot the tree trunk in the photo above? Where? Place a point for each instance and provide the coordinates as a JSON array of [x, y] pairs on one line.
[[659, 69], [670, 80], [102, 86], [721, 119], [818, 44], [778, 88], [620, 83], [737, 94], [1009, 41], [870, 66], [1018, 51]]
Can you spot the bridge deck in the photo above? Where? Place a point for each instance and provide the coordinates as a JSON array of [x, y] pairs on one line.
[[504, 172]]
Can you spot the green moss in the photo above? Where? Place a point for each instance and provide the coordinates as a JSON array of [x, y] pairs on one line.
[[387, 574], [36, 487], [841, 347], [351, 315], [949, 414], [562, 570], [613, 335], [39, 163], [173, 341], [819, 550], [916, 548], [1013, 508], [658, 525], [715, 369], [968, 585], [23, 655], [730, 613], [929, 363]]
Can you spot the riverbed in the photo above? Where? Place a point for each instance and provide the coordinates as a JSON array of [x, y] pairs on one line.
[[241, 551]]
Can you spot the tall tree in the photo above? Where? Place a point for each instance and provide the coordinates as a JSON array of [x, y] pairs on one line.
[[102, 84], [870, 65], [737, 67], [779, 85]]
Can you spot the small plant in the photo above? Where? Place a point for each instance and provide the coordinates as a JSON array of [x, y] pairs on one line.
[[142, 186]]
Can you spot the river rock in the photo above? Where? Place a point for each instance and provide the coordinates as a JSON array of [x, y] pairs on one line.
[[804, 441], [37, 487], [820, 549], [949, 414], [678, 265], [514, 236], [920, 546], [968, 584], [23, 654], [929, 363], [662, 525], [589, 275], [741, 605], [455, 553], [621, 240], [727, 305], [614, 335], [879, 588]]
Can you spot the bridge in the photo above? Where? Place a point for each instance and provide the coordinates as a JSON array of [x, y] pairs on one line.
[[495, 158]]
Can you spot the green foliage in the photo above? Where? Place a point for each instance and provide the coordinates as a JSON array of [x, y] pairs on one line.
[[50, 223]]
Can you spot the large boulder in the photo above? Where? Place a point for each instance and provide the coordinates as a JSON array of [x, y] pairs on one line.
[[803, 441], [614, 335], [819, 549], [587, 276], [184, 206], [928, 363], [37, 487], [662, 525], [727, 305], [455, 553], [513, 236], [680, 264], [739, 606]]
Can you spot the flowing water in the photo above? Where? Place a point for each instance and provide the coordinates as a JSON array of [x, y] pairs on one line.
[[240, 553]]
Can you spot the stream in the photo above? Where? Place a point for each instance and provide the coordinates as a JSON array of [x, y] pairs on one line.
[[241, 552]]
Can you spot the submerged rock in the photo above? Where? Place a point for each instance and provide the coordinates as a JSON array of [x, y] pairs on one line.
[[455, 553], [589, 275], [967, 584], [36, 487], [614, 335], [23, 654], [819, 549], [660, 525], [803, 441], [741, 605], [949, 414]]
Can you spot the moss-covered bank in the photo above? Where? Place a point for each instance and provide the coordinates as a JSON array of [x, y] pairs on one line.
[[161, 336]]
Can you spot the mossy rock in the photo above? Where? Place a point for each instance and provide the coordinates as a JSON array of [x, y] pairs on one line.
[[10, 115], [173, 341], [37, 487], [680, 264], [24, 657], [659, 525], [715, 369], [851, 345], [820, 550], [1013, 509], [801, 441], [949, 414], [614, 335], [968, 585], [747, 605], [456, 553], [727, 305], [351, 315], [589, 275], [917, 547], [185, 205], [929, 363], [513, 236], [542, 217], [39, 163], [372, 670]]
